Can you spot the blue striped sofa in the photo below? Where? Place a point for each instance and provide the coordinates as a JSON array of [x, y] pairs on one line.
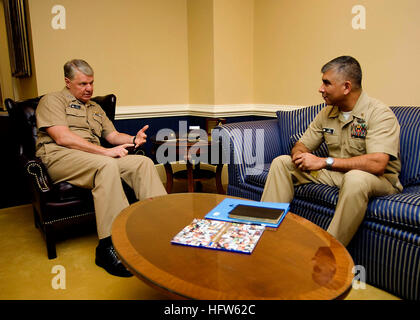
[[387, 244]]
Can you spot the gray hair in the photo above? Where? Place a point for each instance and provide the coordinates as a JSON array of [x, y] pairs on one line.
[[72, 66], [348, 67]]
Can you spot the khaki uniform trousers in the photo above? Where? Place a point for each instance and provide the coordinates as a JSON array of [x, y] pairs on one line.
[[356, 187], [103, 175]]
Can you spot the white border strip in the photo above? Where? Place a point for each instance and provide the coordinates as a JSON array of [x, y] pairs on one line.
[[200, 110]]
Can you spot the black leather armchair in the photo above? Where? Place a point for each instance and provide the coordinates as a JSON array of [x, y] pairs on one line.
[[61, 207]]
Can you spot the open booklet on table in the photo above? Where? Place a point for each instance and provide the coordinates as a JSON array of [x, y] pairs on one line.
[[220, 235]]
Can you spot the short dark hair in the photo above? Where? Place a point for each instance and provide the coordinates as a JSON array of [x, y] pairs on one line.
[[72, 66], [348, 67]]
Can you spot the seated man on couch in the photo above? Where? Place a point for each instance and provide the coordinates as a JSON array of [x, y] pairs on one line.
[[69, 127], [362, 135]]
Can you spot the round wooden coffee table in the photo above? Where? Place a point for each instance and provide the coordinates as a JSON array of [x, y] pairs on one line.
[[298, 260]]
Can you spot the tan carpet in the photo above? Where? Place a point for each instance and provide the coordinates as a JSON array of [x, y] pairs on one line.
[[26, 272]]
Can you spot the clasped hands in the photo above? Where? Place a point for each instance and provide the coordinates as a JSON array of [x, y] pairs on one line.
[[306, 161]]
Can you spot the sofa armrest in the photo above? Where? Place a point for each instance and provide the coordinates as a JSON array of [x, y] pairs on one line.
[[246, 146], [38, 175]]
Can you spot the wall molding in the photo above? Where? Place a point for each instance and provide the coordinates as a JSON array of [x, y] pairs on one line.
[[200, 110]]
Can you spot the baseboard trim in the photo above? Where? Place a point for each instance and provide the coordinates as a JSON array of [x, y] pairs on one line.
[[200, 110]]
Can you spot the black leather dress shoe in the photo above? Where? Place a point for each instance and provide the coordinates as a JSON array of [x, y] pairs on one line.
[[107, 258]]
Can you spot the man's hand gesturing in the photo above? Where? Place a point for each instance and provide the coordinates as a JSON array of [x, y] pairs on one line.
[[141, 136]]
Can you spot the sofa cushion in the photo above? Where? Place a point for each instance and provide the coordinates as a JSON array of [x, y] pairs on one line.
[[259, 178], [294, 123], [400, 209], [409, 119], [318, 193]]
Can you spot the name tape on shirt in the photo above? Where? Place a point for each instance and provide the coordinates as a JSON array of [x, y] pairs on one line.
[[328, 130]]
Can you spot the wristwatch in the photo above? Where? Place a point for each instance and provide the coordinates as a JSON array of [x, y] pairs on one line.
[[134, 140], [329, 161]]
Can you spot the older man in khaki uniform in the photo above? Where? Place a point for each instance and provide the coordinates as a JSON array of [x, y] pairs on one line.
[[70, 126], [362, 135]]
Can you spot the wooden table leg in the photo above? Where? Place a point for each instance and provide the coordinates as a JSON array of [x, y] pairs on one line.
[[190, 177], [169, 177], [219, 185]]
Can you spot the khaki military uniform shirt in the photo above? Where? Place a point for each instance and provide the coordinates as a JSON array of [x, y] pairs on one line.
[[89, 120], [372, 127]]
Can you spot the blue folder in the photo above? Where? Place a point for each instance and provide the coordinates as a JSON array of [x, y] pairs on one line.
[[221, 211]]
